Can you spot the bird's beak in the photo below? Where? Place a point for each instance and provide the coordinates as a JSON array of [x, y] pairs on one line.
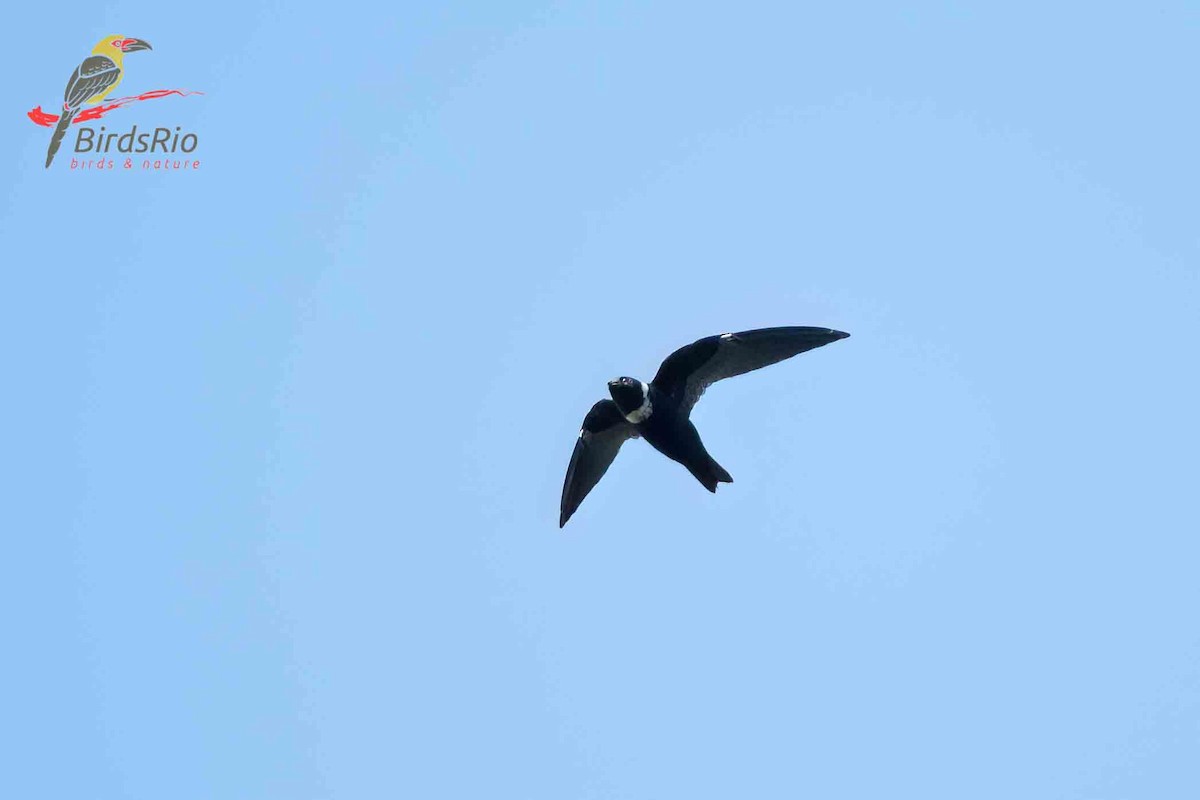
[[131, 45]]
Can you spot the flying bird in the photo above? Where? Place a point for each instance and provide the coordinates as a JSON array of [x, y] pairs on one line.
[[659, 411], [92, 80]]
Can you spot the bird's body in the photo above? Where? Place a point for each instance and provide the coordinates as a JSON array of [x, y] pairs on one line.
[[92, 81], [660, 411], [669, 431]]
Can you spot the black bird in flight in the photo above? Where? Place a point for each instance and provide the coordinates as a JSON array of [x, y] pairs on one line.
[[659, 412], [92, 80]]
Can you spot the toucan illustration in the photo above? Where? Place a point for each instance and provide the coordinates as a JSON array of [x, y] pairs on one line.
[[92, 80]]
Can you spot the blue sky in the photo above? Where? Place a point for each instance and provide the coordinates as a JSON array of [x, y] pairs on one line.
[[286, 435]]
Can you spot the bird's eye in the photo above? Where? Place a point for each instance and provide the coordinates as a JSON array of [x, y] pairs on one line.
[[117, 42]]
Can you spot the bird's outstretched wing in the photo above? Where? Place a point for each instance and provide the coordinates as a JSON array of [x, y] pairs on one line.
[[687, 372], [89, 79], [604, 431]]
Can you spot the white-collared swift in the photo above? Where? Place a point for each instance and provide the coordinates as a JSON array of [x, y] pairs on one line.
[[659, 411]]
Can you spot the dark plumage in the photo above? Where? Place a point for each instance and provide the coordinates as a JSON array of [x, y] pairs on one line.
[[659, 411]]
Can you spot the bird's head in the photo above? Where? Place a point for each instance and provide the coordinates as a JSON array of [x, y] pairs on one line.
[[117, 46], [632, 398]]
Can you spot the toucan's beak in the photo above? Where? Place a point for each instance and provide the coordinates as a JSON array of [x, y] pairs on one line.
[[130, 45]]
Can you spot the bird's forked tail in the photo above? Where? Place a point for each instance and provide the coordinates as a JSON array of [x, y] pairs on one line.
[[60, 130], [711, 474]]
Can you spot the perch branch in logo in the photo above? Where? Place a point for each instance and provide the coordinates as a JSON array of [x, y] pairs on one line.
[[92, 80]]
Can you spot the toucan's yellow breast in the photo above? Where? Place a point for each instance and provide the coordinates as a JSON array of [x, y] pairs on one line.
[[110, 46]]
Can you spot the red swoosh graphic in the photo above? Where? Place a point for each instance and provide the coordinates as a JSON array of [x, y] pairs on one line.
[[40, 117]]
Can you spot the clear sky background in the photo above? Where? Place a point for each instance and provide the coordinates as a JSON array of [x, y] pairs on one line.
[[285, 437]]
